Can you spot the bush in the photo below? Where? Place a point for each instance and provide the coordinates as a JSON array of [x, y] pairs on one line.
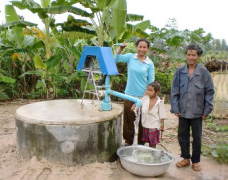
[[165, 80]]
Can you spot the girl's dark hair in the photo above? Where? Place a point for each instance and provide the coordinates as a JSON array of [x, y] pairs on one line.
[[156, 86], [194, 47], [140, 40]]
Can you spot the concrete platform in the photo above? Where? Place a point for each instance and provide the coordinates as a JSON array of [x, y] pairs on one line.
[[63, 132]]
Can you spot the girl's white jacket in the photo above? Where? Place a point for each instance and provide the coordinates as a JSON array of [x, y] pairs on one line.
[[151, 119]]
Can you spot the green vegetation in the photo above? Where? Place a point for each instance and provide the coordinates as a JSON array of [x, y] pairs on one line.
[[37, 63], [219, 151], [219, 148]]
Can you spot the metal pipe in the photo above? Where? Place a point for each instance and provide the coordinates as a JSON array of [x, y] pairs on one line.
[[107, 88], [125, 96], [108, 91]]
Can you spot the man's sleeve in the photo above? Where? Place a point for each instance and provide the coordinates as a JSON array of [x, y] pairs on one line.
[[175, 93], [209, 94]]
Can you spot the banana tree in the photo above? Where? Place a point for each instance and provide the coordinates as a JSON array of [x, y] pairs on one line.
[[109, 21], [46, 11], [5, 83], [14, 47], [102, 26]]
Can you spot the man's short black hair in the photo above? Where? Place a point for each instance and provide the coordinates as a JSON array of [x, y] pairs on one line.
[[194, 47]]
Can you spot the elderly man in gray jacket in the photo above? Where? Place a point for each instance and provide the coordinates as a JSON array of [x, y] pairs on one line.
[[191, 101]]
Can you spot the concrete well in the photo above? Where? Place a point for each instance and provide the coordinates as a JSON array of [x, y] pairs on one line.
[[63, 132]]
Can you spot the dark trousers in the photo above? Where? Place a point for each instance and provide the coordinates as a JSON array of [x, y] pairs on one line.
[[184, 138], [128, 124]]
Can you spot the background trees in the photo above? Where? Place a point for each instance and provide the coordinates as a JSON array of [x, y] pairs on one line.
[[40, 63]]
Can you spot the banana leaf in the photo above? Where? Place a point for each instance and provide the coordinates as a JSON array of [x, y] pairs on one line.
[[76, 52], [71, 21], [76, 31], [17, 32], [38, 44], [102, 4], [64, 2], [63, 9], [37, 73], [53, 61], [39, 63], [90, 86], [18, 23], [75, 76], [41, 84], [79, 29], [45, 3], [58, 77], [136, 31], [75, 35], [32, 6], [12, 49], [6, 79], [29, 41], [90, 4], [143, 25], [119, 12], [134, 17], [42, 12]]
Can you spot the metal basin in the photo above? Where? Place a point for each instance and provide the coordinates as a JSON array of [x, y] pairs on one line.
[[142, 160]]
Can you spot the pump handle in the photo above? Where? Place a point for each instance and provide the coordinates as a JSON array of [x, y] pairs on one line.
[[119, 44]]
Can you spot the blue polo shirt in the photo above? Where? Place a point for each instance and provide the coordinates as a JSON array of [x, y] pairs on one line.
[[139, 75]]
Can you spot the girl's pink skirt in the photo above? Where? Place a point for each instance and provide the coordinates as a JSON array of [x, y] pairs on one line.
[[151, 136]]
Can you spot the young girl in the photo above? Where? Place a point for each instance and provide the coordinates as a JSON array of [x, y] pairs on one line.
[[153, 114]]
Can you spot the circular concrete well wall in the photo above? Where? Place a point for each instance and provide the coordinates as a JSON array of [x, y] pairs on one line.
[[61, 131]]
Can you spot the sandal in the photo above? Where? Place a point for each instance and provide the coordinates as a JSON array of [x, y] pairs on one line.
[[196, 167], [183, 163]]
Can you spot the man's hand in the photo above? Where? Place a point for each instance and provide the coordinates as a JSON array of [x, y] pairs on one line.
[[204, 117], [177, 115]]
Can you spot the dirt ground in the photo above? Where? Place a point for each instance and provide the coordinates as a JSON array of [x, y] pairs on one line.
[[13, 167]]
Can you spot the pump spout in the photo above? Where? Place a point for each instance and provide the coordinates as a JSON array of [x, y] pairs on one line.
[[106, 104], [125, 96]]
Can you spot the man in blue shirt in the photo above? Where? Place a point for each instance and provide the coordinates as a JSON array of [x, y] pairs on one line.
[[191, 101]]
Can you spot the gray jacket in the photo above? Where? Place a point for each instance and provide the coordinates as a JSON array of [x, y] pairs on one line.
[[192, 97]]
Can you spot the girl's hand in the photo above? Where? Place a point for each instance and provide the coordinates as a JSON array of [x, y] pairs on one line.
[[133, 107], [162, 125], [161, 128]]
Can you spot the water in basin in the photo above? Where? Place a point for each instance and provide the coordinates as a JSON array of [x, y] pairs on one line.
[[146, 156]]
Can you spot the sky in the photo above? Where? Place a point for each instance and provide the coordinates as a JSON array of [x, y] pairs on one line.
[[211, 15]]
